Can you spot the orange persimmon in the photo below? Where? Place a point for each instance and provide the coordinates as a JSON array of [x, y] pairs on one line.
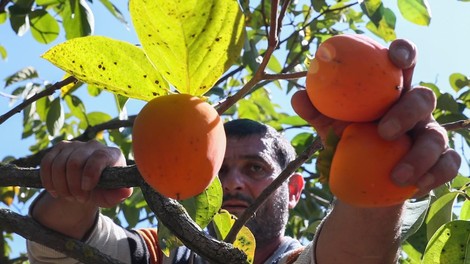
[[179, 144], [362, 164], [352, 79]]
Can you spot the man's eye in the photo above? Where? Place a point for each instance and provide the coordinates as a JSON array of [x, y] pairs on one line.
[[256, 168]]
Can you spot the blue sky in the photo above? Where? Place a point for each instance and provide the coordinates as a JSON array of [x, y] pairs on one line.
[[443, 50]]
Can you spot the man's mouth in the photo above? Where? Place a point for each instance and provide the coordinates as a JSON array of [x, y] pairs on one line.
[[234, 206]]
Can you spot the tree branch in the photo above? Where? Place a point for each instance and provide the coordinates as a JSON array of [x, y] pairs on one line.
[[169, 210], [90, 133], [171, 213], [46, 92], [31, 230]]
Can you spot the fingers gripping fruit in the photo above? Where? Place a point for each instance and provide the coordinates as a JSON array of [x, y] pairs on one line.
[[361, 167], [352, 79], [179, 145]]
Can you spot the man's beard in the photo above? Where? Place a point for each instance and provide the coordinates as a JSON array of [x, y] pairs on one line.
[[271, 218]]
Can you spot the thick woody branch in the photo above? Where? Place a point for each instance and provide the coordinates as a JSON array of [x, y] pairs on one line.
[[171, 213], [168, 210], [31, 230]]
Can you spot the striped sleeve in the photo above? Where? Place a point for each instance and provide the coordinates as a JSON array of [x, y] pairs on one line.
[[128, 246]]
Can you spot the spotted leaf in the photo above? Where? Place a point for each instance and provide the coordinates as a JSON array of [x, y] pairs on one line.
[[113, 65]]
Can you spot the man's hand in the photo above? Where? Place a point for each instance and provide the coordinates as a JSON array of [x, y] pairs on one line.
[[430, 162], [71, 171]]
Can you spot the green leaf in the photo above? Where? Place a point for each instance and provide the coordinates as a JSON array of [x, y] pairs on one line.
[[465, 211], [114, 10], [48, 2], [450, 244], [121, 102], [19, 19], [245, 241], [3, 52], [44, 27], [385, 27], [440, 212], [42, 106], [192, 43], [77, 109], [200, 208], [458, 81], [415, 213], [24, 74], [78, 19], [114, 65], [3, 17], [95, 118], [370, 7], [204, 206], [55, 117], [415, 11]]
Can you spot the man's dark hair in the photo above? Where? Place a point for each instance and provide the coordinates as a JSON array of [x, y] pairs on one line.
[[240, 128]]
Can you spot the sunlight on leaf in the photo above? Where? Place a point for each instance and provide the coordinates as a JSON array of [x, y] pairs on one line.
[[192, 43], [440, 212], [245, 241], [416, 11], [3, 52], [450, 244], [7, 194], [113, 65], [204, 206], [385, 27]]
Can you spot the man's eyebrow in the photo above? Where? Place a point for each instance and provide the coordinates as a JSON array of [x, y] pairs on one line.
[[263, 158]]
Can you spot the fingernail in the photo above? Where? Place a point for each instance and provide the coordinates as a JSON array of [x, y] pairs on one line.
[[403, 53], [426, 181], [402, 174], [390, 129], [86, 184]]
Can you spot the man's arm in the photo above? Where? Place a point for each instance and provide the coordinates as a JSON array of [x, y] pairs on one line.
[[359, 235]]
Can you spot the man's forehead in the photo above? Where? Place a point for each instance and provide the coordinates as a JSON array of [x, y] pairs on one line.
[[253, 145]]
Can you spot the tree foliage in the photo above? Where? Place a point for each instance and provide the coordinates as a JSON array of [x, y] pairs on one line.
[[234, 53]]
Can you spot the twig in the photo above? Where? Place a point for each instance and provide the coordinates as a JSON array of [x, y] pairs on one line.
[[46, 92], [260, 73], [90, 133], [461, 124]]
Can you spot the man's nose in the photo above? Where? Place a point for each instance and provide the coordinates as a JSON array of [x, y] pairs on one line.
[[232, 180]]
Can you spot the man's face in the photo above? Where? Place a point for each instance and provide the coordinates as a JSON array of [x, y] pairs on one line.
[[248, 168]]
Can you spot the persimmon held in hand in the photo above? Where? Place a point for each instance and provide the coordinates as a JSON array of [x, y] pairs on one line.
[[361, 167], [179, 145], [352, 79]]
